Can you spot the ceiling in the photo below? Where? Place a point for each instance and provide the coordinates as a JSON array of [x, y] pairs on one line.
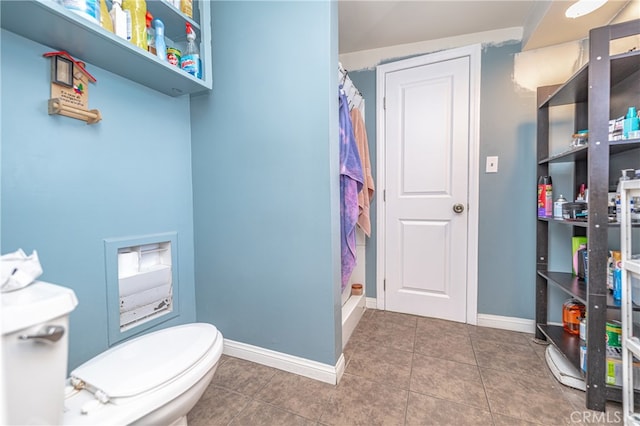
[[365, 25]]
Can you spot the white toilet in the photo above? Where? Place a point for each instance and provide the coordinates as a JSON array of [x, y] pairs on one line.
[[155, 379]]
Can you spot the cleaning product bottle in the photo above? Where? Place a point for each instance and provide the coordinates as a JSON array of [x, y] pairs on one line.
[[545, 197], [186, 7], [138, 11], [160, 44], [105, 18], [190, 61], [557, 207], [631, 122], [88, 9], [121, 20], [617, 283], [173, 56], [151, 42]]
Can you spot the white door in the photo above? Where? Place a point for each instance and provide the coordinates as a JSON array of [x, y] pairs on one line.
[[427, 131]]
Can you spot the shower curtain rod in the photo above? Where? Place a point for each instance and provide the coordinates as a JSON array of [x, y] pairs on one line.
[[352, 87]]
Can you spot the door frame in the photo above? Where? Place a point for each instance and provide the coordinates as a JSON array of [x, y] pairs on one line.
[[474, 53]]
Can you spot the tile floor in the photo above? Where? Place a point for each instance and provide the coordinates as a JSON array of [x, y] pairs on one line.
[[405, 370]]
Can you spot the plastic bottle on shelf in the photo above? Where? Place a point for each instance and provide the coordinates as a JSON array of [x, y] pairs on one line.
[[151, 42], [89, 9], [190, 61], [105, 18], [631, 122], [121, 20], [583, 327], [557, 207], [617, 283], [614, 258], [160, 44], [572, 312], [138, 11], [186, 7]]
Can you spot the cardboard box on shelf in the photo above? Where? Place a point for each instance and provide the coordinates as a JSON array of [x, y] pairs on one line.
[[577, 243]]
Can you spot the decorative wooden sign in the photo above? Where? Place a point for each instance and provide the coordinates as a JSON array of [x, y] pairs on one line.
[[70, 88]]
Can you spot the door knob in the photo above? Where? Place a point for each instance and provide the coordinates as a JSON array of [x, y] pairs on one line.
[[458, 208]]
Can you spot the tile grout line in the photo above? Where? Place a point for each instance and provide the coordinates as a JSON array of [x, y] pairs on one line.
[[413, 354], [484, 388]]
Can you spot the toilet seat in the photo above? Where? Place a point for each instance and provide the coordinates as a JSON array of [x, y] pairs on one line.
[[132, 383], [139, 365]]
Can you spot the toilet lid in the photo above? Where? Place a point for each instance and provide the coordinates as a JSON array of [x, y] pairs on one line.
[[148, 361]]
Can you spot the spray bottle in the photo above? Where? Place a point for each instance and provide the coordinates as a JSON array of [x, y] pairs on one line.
[[190, 61]]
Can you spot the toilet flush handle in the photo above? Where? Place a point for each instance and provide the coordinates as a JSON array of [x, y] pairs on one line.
[[48, 333]]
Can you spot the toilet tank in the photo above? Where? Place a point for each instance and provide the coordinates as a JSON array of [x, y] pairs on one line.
[[35, 325]]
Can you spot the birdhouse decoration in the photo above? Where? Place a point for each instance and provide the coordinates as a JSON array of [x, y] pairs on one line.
[[70, 88]]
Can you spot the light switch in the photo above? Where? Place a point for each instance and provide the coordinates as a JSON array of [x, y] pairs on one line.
[[492, 164]]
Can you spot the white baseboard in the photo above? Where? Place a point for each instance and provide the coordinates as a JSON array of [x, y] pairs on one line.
[[507, 323], [290, 363], [352, 312], [522, 325], [332, 374], [372, 303]]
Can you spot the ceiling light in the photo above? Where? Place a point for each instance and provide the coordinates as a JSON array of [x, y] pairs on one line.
[[582, 7]]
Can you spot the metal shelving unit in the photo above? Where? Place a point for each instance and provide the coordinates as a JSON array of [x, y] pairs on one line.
[[590, 90]]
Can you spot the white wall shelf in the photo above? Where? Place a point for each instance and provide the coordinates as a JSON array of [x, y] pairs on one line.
[[49, 23]]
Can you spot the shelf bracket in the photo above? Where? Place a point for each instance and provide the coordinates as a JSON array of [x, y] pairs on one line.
[[56, 107]]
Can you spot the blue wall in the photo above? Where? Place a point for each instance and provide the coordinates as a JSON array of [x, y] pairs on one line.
[[265, 173], [67, 185], [506, 239]]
